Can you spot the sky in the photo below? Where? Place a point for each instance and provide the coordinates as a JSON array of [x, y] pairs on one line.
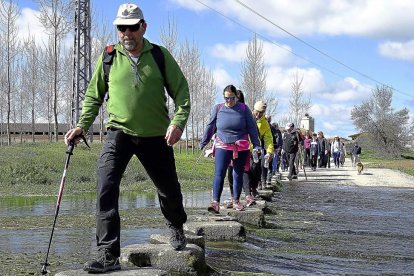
[[343, 49]]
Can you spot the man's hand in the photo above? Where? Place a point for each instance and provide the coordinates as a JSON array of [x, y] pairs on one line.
[[173, 135], [72, 133], [269, 156]]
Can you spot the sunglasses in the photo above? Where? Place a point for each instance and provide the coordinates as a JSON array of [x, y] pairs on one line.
[[227, 99], [131, 28]]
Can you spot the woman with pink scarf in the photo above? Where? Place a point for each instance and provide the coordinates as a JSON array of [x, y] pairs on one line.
[[235, 126]]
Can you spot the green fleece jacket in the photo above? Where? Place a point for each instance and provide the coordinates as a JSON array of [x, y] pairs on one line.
[[137, 101]]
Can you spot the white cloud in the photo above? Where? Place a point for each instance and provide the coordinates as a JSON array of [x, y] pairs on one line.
[[398, 50], [280, 80], [223, 78], [272, 54], [347, 90], [29, 25], [373, 18]]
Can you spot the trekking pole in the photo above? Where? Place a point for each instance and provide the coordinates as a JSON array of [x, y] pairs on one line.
[[196, 162], [69, 152], [303, 164]]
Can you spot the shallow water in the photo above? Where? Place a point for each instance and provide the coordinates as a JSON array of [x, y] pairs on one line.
[[313, 229]]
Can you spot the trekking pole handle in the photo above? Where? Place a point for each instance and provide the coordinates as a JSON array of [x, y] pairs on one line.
[[72, 143]]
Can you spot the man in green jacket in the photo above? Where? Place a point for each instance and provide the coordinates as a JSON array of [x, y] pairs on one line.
[[138, 125]]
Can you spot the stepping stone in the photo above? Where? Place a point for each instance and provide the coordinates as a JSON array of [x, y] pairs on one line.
[[217, 230], [265, 194], [190, 261], [126, 272], [191, 239], [250, 215]]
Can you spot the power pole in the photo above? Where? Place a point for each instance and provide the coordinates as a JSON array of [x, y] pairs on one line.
[[81, 58]]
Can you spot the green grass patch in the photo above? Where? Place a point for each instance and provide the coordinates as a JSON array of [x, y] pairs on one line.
[[405, 163], [37, 168]]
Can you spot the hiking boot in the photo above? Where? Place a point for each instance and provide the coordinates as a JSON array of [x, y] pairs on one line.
[[105, 262], [250, 201], [238, 206], [214, 207], [289, 177], [295, 177], [177, 239]]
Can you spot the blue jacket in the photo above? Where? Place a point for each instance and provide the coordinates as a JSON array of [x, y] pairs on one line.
[[231, 124]]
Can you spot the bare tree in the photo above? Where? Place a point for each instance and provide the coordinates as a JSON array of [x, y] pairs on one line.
[[388, 130], [189, 59], [272, 103], [102, 37], [205, 101], [8, 19], [169, 40], [33, 55], [54, 18], [298, 104], [253, 73], [2, 89]]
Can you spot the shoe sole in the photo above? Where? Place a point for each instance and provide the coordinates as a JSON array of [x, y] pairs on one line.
[[179, 248], [94, 270], [212, 210], [251, 204]]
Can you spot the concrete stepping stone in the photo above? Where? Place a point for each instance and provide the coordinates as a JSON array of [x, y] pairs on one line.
[[265, 194], [217, 230], [190, 261], [123, 272], [165, 239], [250, 215]]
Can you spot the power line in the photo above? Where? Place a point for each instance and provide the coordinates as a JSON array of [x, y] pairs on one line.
[[271, 41], [292, 52], [319, 51]]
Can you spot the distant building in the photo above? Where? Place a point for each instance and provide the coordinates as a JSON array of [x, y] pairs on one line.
[[307, 123]]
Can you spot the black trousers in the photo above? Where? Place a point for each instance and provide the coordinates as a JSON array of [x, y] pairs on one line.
[[292, 167], [158, 160]]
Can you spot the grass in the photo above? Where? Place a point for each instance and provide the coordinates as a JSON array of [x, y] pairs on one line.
[[404, 164], [37, 168]]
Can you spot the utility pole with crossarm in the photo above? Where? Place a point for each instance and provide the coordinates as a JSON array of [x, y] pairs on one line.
[[81, 58]]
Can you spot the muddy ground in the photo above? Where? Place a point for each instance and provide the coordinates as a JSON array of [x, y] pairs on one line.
[[335, 223]]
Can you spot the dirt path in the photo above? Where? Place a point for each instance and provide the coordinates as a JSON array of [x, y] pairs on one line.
[[370, 177]]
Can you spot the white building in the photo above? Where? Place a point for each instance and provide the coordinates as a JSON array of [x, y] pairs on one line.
[[307, 123]]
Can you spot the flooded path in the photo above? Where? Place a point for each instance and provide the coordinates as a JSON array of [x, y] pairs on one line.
[[335, 223]]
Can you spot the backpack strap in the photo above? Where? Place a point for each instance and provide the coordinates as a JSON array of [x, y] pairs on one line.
[[156, 52], [159, 58], [107, 59]]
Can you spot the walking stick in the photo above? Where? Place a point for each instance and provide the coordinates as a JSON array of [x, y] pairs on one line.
[[69, 152], [196, 162], [303, 165]]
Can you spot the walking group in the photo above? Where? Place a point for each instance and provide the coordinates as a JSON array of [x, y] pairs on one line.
[[251, 149], [132, 76]]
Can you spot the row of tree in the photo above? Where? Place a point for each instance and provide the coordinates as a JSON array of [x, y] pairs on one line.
[[36, 82], [37, 79]]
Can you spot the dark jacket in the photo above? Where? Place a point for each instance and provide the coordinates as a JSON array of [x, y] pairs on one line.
[[356, 150], [277, 137], [291, 142]]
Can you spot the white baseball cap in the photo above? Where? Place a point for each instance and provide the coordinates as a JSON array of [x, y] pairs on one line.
[[128, 14]]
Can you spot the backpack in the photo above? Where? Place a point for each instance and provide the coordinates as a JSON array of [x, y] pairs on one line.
[[156, 52]]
